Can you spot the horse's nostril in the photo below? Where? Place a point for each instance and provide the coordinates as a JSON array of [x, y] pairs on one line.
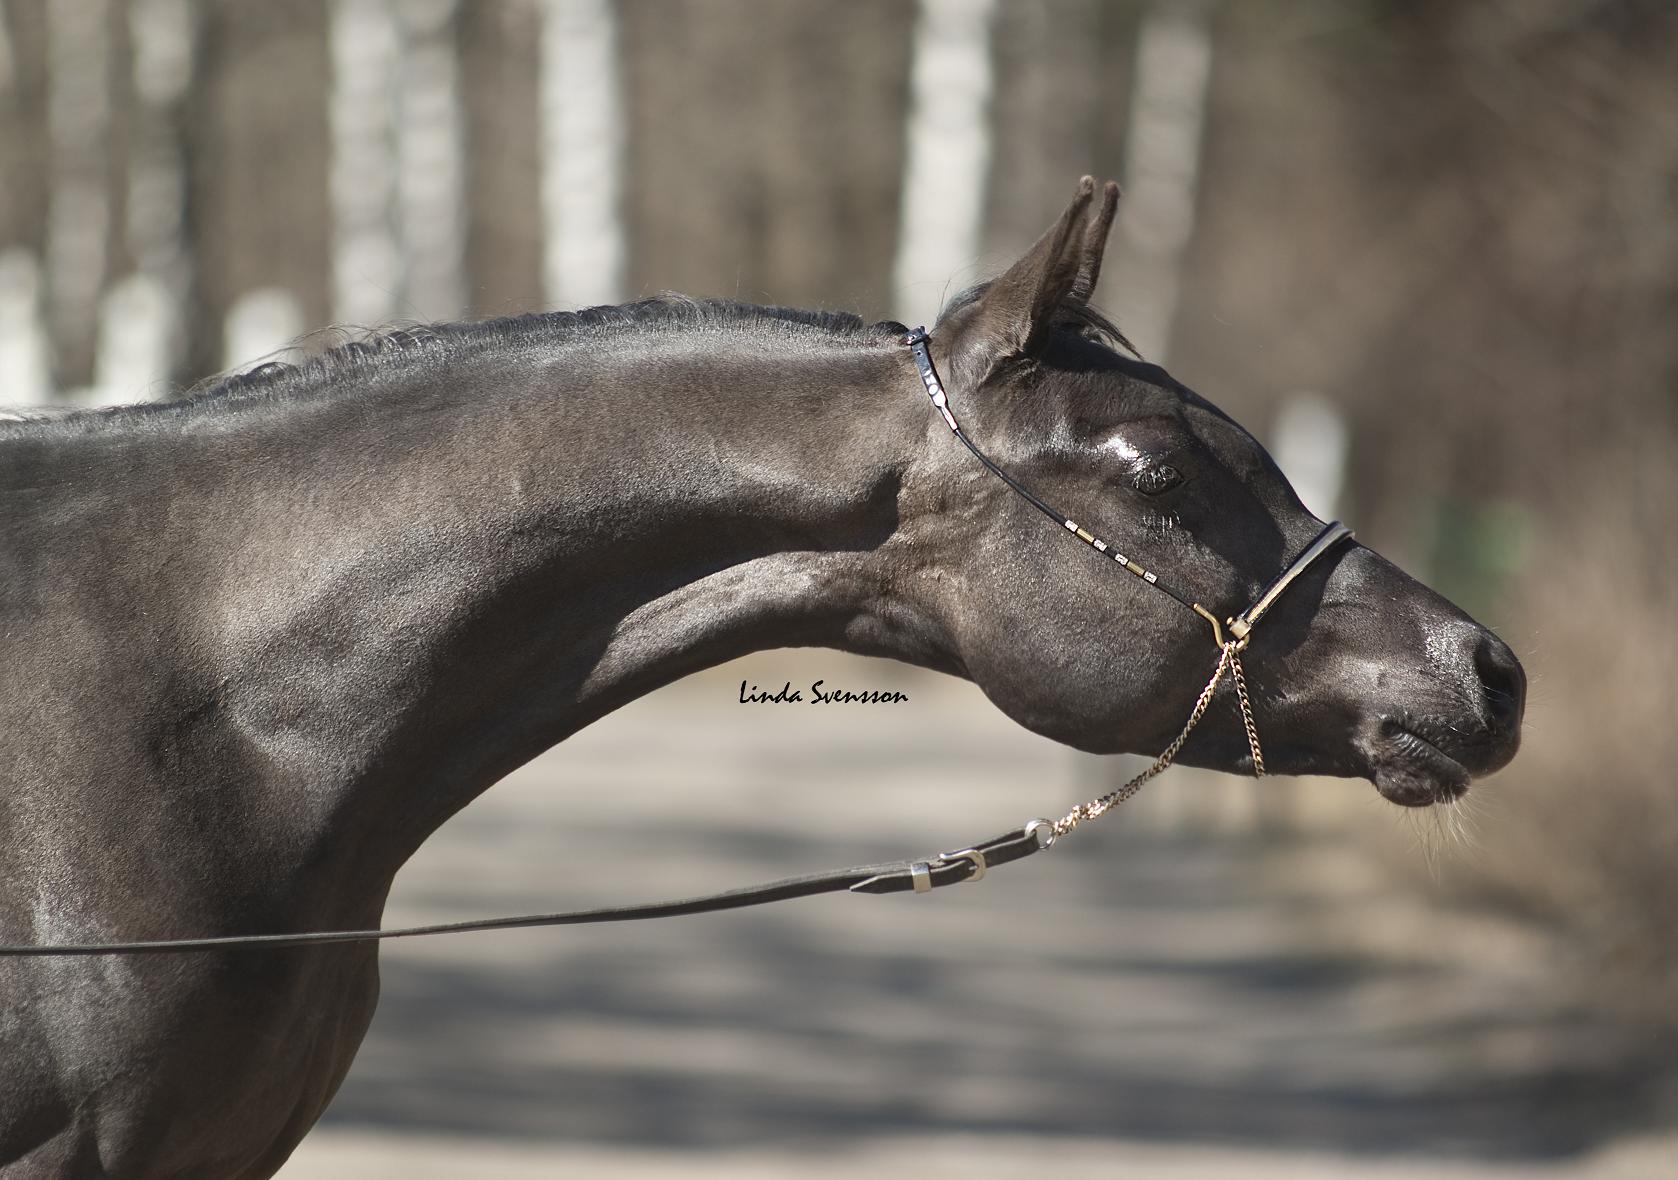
[[1503, 683]]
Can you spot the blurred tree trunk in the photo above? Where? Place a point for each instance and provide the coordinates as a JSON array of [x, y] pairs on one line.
[[259, 210], [765, 148], [1470, 224], [504, 230], [1063, 75], [23, 126]]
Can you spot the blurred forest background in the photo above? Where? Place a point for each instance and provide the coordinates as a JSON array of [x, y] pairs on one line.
[[1428, 250]]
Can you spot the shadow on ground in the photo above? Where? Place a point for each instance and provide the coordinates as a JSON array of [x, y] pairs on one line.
[[1144, 988]]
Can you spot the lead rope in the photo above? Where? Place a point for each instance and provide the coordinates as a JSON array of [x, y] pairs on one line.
[[1229, 661]]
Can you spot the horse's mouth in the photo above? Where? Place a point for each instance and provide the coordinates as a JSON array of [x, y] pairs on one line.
[[1412, 771]]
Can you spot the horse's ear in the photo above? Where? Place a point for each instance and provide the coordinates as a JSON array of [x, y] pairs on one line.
[[1014, 316], [1095, 244]]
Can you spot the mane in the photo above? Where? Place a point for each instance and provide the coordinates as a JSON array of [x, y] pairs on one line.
[[370, 351], [455, 340], [33, 413]]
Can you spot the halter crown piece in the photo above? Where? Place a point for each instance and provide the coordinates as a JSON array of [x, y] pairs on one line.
[[1231, 634]]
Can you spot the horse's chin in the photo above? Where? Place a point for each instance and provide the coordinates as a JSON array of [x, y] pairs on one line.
[[1411, 771]]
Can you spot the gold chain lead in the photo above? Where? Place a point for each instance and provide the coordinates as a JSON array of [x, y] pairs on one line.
[[1247, 716], [1229, 661]]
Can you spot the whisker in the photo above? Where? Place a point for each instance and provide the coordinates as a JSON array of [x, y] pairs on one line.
[[1471, 809], [1441, 835], [1425, 840]]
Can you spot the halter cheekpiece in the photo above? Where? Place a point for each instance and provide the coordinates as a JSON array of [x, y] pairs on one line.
[[1231, 634]]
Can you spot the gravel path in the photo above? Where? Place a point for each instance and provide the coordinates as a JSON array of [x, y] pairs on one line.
[[1152, 999]]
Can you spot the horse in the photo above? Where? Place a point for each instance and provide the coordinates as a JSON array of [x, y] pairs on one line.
[[258, 643]]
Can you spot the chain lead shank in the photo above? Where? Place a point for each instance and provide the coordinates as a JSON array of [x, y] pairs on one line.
[[1229, 661]]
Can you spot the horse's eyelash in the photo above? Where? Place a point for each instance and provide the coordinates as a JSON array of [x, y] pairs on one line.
[[1159, 523]]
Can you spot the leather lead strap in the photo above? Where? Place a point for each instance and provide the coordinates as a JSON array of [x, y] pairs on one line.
[[951, 868]]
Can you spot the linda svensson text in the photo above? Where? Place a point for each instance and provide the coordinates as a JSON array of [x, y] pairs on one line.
[[788, 695]]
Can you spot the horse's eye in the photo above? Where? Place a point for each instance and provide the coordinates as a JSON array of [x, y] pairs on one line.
[[1161, 477]]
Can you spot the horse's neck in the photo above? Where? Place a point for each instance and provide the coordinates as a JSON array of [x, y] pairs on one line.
[[426, 598]]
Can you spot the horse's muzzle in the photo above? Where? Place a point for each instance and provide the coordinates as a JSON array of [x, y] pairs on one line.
[[1421, 758]]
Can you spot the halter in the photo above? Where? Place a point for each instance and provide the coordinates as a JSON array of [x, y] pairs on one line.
[[1231, 635], [918, 876]]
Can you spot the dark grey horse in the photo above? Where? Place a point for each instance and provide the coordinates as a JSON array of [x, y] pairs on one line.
[[255, 647]]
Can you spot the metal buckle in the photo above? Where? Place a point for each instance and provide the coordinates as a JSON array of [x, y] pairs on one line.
[[972, 854]]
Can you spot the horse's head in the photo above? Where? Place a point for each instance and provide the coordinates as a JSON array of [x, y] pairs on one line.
[[1357, 669]]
